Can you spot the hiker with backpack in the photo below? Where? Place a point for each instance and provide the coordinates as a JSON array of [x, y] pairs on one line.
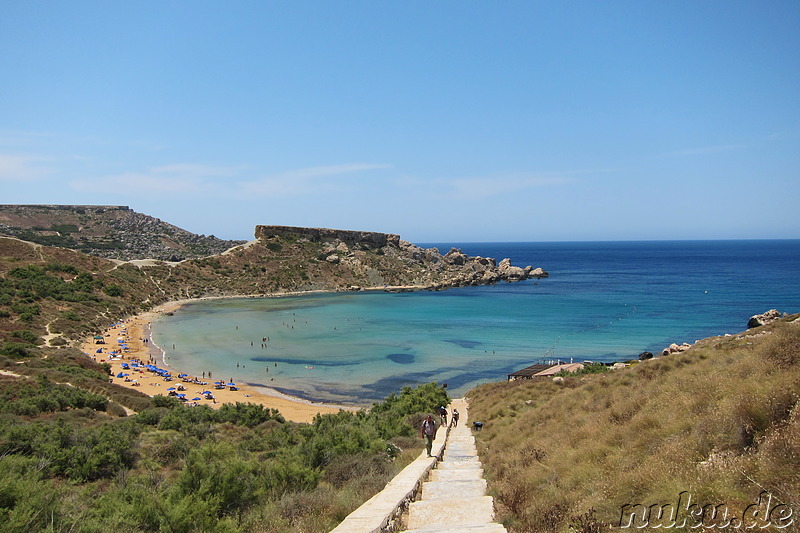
[[428, 432]]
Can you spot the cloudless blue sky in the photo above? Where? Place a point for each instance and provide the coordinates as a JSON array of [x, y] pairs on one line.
[[440, 121]]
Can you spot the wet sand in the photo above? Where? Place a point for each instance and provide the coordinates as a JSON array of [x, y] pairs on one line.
[[135, 332]]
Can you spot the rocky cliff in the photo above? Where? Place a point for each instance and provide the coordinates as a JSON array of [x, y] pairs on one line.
[[377, 259]]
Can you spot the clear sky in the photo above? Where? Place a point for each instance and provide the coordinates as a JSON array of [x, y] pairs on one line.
[[442, 121]]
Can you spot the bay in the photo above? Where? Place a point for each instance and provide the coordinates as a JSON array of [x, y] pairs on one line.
[[603, 301]]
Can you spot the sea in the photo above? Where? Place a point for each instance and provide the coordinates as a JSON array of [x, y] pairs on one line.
[[603, 302]]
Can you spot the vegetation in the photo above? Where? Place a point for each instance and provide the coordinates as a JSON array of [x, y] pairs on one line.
[[67, 466], [720, 421]]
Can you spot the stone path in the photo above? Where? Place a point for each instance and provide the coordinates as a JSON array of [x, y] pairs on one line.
[[454, 497], [452, 500]]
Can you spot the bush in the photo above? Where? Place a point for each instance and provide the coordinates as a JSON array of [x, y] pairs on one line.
[[26, 335], [15, 349], [113, 290]]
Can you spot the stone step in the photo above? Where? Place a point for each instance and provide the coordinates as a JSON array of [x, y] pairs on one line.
[[466, 445], [455, 454], [463, 474], [462, 444], [464, 528], [432, 490], [454, 512], [460, 462]]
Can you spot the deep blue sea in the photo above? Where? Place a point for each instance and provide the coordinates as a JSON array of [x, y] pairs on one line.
[[603, 301]]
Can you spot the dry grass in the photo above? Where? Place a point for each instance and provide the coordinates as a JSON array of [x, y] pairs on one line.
[[720, 421]]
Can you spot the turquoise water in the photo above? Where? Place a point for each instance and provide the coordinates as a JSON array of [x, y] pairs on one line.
[[603, 302]]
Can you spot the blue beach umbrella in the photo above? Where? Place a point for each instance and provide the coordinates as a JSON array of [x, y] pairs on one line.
[[195, 399], [182, 375], [99, 350], [119, 375], [171, 388], [231, 384]]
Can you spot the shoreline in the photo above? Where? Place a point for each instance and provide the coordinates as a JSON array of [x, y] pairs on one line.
[[135, 334]]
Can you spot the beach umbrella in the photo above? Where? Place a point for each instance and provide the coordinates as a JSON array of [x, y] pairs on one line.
[[231, 384], [195, 399], [181, 395], [99, 350], [182, 375], [171, 388], [205, 392]]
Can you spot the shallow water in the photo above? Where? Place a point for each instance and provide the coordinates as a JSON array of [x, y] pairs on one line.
[[603, 302]]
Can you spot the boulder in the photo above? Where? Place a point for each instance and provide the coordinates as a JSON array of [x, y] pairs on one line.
[[764, 318], [676, 348], [515, 273], [538, 273], [455, 257]]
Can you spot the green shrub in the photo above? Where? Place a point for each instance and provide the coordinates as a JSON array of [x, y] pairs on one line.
[[113, 290], [71, 315], [26, 335], [15, 349]]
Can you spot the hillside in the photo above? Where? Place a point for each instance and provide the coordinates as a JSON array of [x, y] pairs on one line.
[[719, 424], [78, 453], [113, 232], [53, 297], [61, 295]]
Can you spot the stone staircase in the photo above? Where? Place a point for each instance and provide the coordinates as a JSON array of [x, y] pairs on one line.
[[445, 493], [454, 497]]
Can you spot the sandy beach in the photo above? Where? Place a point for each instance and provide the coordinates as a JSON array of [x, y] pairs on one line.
[[129, 339]]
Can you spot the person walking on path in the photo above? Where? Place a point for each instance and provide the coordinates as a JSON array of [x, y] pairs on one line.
[[454, 418], [428, 432], [443, 414]]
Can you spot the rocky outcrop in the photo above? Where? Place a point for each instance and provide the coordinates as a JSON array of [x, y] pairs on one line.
[[463, 270], [676, 348], [403, 262], [282, 258], [108, 231], [764, 318]]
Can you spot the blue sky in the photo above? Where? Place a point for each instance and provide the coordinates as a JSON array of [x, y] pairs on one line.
[[441, 121]]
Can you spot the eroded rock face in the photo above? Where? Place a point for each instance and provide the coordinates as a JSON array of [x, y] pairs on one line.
[[764, 318]]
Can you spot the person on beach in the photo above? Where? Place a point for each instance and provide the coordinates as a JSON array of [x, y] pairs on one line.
[[428, 432]]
